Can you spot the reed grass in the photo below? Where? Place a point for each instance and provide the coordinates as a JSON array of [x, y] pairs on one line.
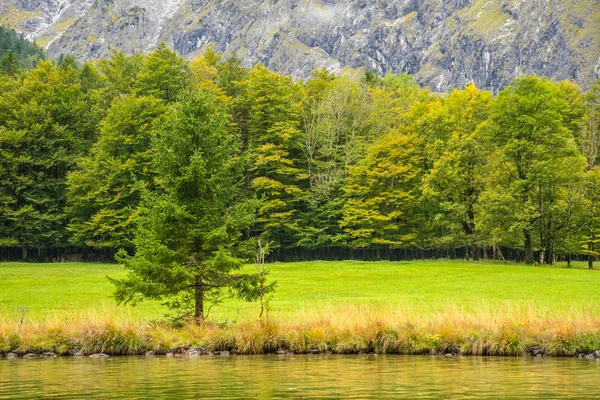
[[513, 330]]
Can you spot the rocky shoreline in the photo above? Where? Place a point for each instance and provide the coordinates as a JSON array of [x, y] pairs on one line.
[[192, 352]]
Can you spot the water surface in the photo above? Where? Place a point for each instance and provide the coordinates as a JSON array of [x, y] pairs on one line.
[[301, 377]]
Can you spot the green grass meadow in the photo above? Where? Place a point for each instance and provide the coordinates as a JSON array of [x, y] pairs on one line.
[[422, 287]]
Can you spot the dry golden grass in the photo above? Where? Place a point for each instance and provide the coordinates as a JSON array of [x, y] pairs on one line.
[[509, 330]]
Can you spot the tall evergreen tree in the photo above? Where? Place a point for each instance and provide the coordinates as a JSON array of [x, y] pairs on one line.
[[188, 228], [17, 52], [9, 64]]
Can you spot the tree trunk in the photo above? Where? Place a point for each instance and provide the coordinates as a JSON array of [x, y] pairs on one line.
[[528, 249], [24, 250], [474, 254], [199, 295], [591, 256]]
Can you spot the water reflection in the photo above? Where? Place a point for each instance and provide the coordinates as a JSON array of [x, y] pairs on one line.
[[300, 377]]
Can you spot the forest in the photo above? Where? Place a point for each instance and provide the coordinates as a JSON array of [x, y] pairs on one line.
[[17, 52], [95, 156]]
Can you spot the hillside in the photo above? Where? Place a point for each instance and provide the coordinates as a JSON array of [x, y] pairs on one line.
[[444, 43]]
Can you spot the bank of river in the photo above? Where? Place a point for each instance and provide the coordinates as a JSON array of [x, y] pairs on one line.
[[301, 376]]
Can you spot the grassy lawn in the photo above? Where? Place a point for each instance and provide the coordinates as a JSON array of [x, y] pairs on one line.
[[421, 288]]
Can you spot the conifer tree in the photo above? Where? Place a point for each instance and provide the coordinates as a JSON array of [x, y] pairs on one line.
[[189, 226], [9, 64]]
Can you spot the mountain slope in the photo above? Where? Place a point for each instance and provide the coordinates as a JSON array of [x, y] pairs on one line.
[[445, 43]]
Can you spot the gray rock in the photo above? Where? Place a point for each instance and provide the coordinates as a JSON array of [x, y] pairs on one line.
[[590, 356], [48, 355], [281, 352], [597, 354], [443, 43], [12, 356], [224, 353], [149, 354], [31, 355], [79, 354], [179, 351], [99, 355], [198, 351]]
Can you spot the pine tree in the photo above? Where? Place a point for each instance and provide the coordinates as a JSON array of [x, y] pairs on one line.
[[9, 64], [188, 228]]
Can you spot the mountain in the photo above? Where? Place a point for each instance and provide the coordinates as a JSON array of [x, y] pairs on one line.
[[444, 43]]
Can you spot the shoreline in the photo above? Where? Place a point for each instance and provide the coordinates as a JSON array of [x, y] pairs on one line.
[[526, 339], [197, 353]]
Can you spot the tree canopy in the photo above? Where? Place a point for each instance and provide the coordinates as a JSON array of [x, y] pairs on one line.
[[183, 164]]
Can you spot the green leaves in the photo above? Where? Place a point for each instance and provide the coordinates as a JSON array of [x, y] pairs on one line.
[[382, 193], [104, 191], [535, 170], [185, 163], [190, 223]]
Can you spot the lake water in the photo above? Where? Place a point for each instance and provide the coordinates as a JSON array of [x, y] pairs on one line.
[[301, 377]]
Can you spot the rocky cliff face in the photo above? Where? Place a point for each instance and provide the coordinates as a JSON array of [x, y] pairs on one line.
[[445, 43]]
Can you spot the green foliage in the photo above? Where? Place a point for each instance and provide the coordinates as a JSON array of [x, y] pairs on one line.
[[326, 167], [271, 104], [17, 53], [9, 64], [189, 226], [104, 191], [454, 183], [382, 194], [45, 124], [163, 74], [342, 122], [121, 73], [535, 172]]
